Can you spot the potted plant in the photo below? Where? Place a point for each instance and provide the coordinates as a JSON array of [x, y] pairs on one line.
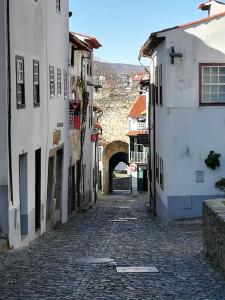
[[212, 161]]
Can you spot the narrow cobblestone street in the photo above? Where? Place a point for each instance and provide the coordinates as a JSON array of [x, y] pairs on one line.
[[54, 267]]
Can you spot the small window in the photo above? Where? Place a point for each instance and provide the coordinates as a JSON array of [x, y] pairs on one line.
[[36, 83], [58, 6], [160, 86], [59, 85], [20, 83], [157, 168], [65, 79], [156, 85], [72, 56], [212, 84], [52, 82], [90, 70], [161, 175]]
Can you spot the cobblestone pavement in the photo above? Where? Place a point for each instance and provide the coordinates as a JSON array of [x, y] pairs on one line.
[[53, 267]]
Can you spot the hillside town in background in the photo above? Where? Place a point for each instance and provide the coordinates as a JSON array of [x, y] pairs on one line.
[[76, 130]]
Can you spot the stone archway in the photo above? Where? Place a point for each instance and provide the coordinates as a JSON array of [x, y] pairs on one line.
[[114, 153], [113, 162]]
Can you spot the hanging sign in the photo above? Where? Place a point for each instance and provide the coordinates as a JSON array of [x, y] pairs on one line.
[[133, 167]]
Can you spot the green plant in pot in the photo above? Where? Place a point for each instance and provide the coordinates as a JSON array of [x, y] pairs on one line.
[[220, 185], [212, 161]]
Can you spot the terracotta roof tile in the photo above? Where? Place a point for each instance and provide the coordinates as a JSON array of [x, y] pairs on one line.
[[138, 107], [137, 132]]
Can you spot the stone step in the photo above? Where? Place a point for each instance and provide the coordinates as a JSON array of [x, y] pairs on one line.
[[3, 246]]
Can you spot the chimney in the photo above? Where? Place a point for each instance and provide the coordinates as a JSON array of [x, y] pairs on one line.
[[213, 7]]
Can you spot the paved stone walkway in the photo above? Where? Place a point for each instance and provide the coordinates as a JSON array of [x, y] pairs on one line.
[[53, 267]]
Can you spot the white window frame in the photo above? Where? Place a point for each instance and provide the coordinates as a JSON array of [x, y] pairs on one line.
[[59, 82], [20, 82], [52, 82], [36, 82], [213, 86]]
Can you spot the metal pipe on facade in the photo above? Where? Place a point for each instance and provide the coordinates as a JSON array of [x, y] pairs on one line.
[[9, 101]]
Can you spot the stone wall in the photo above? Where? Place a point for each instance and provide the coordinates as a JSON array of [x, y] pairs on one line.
[[214, 231], [115, 103]]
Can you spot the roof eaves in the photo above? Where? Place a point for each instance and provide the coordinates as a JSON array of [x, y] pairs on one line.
[[154, 40], [77, 42]]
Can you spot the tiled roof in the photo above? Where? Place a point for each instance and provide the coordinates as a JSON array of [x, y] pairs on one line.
[[137, 132], [98, 126], [139, 107], [88, 40], [154, 40]]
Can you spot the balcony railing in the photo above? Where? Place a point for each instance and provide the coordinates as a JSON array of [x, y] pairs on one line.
[[142, 126], [138, 157]]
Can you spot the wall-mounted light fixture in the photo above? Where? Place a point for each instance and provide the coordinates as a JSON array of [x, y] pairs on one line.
[[174, 54]]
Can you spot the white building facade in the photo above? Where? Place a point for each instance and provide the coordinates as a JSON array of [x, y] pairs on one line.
[[31, 117], [139, 143], [187, 66], [83, 134]]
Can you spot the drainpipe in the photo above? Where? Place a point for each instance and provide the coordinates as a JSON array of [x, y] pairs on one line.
[[9, 104]]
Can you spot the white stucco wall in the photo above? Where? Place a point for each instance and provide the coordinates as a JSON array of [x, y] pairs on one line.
[[33, 28], [187, 132], [29, 125], [58, 57], [3, 121]]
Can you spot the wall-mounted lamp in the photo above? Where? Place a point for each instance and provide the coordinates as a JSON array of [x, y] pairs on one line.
[[70, 14], [174, 54]]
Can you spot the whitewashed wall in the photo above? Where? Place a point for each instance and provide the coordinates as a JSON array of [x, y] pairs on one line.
[[186, 132]]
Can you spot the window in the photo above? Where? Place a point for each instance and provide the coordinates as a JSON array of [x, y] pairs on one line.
[[156, 85], [65, 84], [20, 83], [36, 83], [72, 56], [58, 6], [161, 179], [212, 84], [59, 88], [52, 82], [157, 168], [160, 86]]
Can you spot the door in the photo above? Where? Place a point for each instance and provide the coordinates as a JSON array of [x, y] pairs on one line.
[[58, 190], [23, 193], [50, 188], [37, 189]]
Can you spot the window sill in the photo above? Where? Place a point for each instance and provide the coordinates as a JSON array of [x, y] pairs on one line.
[[212, 104], [36, 105], [21, 106]]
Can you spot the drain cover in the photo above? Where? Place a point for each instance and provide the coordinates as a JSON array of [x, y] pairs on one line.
[[136, 270], [96, 260]]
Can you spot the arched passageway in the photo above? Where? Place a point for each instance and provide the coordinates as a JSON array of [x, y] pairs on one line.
[[119, 180], [113, 154]]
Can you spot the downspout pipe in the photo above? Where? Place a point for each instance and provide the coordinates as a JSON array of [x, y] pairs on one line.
[[9, 102]]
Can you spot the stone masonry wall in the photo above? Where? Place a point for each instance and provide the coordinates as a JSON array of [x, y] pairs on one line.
[[214, 231], [115, 103]]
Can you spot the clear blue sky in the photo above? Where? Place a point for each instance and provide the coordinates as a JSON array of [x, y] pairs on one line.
[[122, 26]]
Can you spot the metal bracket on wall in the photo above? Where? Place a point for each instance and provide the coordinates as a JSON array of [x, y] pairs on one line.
[[174, 54]]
